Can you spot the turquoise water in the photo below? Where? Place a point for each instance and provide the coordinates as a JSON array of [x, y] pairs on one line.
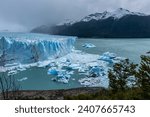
[[129, 48]]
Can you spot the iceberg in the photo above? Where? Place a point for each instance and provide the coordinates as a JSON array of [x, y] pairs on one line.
[[22, 79], [62, 76], [12, 72], [52, 71], [88, 45], [26, 48], [95, 82], [90, 82], [89, 65], [108, 57], [95, 71]]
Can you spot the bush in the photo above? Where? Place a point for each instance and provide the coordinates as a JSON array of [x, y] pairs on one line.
[[9, 88], [120, 74], [143, 76]]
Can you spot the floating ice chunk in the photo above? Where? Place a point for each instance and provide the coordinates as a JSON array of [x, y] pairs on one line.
[[71, 72], [65, 60], [43, 63], [10, 65], [108, 57], [73, 79], [53, 71], [13, 72], [63, 80], [74, 66], [88, 45], [62, 76], [23, 79], [83, 68], [95, 71], [101, 81], [21, 68], [90, 82]]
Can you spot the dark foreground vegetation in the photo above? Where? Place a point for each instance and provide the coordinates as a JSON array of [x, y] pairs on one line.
[[128, 81]]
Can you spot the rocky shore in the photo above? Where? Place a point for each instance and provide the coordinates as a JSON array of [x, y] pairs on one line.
[[52, 94]]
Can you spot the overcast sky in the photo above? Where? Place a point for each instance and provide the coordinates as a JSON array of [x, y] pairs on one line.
[[23, 15]]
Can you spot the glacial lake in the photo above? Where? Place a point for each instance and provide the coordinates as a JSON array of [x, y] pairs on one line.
[[37, 78]]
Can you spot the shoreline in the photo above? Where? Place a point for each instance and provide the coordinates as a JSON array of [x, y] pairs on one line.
[[53, 94]]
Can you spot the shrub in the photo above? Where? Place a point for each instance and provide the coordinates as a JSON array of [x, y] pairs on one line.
[[120, 74], [143, 76]]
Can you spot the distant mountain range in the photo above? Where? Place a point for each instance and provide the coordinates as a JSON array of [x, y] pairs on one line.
[[121, 23]]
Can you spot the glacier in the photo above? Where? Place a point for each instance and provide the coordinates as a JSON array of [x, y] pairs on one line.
[[26, 48], [20, 51]]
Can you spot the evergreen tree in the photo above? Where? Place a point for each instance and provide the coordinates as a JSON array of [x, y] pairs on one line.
[[119, 76], [143, 76]]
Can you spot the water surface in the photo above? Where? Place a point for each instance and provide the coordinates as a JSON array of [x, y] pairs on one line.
[[129, 48]]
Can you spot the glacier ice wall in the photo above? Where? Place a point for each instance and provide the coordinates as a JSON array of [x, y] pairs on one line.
[[29, 48]]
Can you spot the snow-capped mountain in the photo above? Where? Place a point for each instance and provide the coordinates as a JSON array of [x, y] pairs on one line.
[[120, 23], [117, 14]]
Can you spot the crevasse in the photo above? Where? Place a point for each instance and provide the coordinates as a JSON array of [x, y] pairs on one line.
[[29, 48]]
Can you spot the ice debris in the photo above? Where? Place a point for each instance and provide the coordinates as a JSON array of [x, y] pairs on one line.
[[94, 69], [62, 76], [12, 72], [108, 57], [52, 71], [22, 79], [88, 45]]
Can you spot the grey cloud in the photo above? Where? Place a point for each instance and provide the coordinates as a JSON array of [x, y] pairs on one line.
[[23, 15]]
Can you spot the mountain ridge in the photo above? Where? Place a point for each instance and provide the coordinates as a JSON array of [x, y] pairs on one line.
[[117, 14], [120, 23]]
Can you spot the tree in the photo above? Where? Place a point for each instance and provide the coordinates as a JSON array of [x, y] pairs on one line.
[[9, 88], [143, 76], [119, 76]]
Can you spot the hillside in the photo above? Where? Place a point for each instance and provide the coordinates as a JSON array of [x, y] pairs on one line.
[[121, 23]]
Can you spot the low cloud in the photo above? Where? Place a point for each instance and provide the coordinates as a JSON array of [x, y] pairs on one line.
[[23, 15]]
